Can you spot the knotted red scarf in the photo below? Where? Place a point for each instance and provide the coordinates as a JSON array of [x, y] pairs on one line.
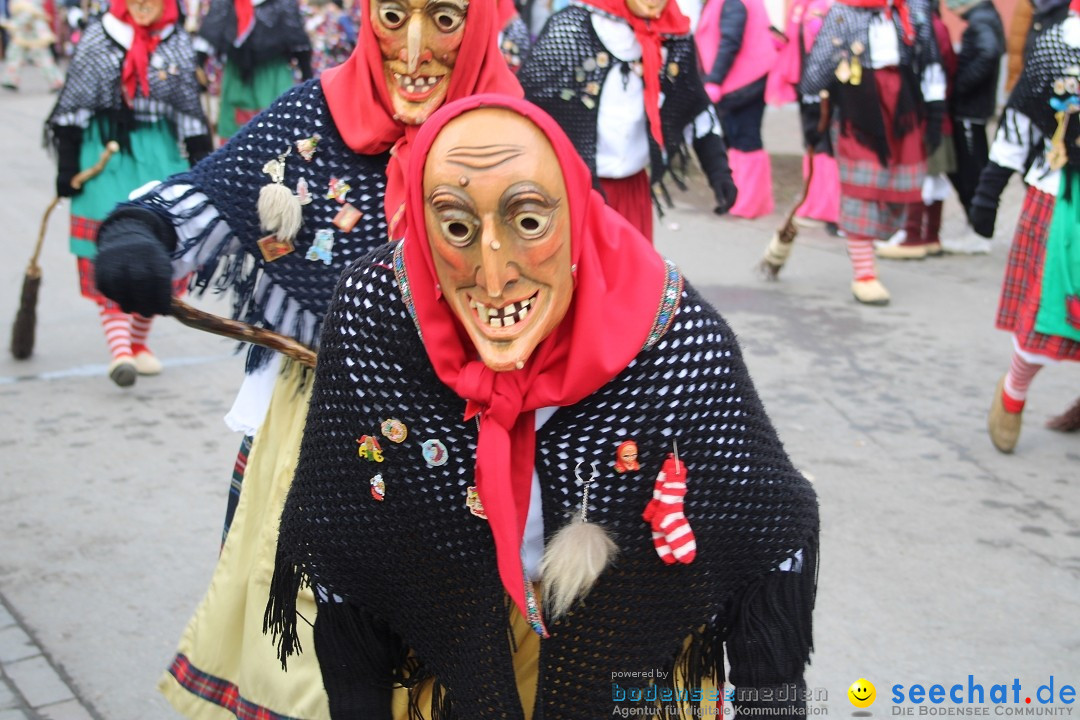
[[145, 40]]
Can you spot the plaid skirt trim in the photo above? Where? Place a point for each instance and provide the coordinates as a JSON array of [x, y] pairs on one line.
[[869, 218], [237, 482], [1022, 287], [219, 692]]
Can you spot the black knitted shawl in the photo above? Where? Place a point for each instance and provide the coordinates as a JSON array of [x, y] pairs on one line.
[[421, 564], [846, 27], [228, 184], [93, 86], [515, 42], [278, 33], [562, 75], [1043, 79]]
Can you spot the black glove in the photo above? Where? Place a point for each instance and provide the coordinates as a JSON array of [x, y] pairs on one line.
[[712, 153], [68, 141], [303, 62], [810, 114], [133, 267], [982, 219], [984, 204], [198, 147], [935, 116]]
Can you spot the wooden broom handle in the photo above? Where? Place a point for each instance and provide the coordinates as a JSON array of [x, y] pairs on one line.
[[111, 148], [243, 332]]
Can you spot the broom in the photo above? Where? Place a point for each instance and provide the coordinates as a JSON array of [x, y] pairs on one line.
[[780, 244], [22, 332], [243, 332]]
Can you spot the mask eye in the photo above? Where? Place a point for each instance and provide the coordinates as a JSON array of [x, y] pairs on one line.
[[447, 19], [392, 16], [531, 225], [458, 231]]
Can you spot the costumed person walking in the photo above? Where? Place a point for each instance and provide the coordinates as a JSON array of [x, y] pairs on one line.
[[737, 50], [256, 41], [879, 68], [974, 102], [276, 215], [920, 237], [29, 41], [132, 80], [600, 68], [491, 368], [1040, 299], [822, 204]]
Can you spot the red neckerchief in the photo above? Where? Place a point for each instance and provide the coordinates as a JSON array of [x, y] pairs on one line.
[[619, 283], [901, 9], [648, 32], [144, 41], [360, 103], [245, 19]]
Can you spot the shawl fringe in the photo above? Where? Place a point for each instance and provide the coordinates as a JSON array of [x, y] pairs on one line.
[[356, 638], [224, 271], [772, 634]]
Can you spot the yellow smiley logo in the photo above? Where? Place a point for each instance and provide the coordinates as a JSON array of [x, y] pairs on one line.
[[862, 693]]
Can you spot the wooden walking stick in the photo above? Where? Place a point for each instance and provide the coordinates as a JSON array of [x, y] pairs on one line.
[[243, 332], [779, 248], [22, 331]]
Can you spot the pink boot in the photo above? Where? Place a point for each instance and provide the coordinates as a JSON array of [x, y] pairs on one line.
[[752, 173]]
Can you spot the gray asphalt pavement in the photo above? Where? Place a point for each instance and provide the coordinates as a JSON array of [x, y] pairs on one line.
[[940, 558]]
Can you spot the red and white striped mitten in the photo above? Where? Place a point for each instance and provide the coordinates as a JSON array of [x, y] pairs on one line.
[[672, 536]]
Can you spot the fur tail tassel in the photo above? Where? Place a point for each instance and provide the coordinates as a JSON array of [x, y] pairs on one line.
[[279, 211], [573, 561]]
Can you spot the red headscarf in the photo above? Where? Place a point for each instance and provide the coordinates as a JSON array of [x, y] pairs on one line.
[[618, 286], [143, 43], [507, 11], [901, 7], [648, 32], [360, 102]]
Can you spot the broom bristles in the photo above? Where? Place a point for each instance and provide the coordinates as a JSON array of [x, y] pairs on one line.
[[22, 332]]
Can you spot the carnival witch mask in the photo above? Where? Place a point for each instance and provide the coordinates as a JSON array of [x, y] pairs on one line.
[[648, 9], [419, 41], [145, 12], [499, 228]]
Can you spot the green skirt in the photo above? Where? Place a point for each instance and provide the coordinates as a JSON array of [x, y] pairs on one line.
[[154, 154], [242, 100], [1059, 304]]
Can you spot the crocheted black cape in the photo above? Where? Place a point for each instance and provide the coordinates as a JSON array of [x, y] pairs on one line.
[[278, 33], [563, 75], [93, 85], [225, 188], [420, 563], [1044, 78]]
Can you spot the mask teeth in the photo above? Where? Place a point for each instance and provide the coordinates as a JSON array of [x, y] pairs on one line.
[[505, 316]]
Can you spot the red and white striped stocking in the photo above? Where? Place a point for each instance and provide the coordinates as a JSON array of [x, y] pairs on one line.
[[672, 536], [117, 327], [140, 330], [861, 252]]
